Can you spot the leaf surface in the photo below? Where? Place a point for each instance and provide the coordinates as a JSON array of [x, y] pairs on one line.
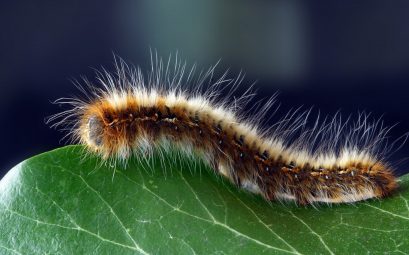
[[59, 202]]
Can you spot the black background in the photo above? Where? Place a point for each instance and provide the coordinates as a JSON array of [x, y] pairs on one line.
[[346, 56]]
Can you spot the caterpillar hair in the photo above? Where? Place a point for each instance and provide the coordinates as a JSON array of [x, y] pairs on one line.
[[130, 113]]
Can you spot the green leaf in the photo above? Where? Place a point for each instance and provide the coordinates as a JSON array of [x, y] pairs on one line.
[[59, 202]]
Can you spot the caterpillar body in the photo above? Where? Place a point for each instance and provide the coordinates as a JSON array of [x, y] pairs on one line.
[[335, 161]]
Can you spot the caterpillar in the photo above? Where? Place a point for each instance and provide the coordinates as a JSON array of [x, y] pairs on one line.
[[131, 112]]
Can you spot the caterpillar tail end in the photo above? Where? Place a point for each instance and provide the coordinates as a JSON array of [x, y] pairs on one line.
[[385, 182], [348, 185]]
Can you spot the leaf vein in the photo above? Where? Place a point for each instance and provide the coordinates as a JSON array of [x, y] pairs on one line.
[[313, 232], [265, 225], [138, 248], [78, 228], [10, 249]]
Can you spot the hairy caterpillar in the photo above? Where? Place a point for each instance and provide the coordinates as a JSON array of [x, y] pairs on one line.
[[334, 161]]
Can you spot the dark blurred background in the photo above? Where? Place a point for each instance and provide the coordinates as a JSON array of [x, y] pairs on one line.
[[351, 56]]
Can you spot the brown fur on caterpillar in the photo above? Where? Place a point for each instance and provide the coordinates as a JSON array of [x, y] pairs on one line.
[[326, 163]]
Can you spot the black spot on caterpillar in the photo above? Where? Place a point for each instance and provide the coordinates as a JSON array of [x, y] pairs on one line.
[[335, 161]]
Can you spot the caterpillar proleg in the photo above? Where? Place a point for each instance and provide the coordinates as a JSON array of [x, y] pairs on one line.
[[129, 112]]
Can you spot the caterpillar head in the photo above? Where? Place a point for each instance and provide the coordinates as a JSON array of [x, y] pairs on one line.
[[106, 135], [95, 130]]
